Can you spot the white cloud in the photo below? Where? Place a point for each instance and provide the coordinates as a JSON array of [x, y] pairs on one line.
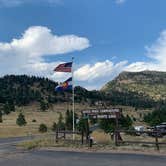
[[157, 53], [120, 1], [94, 76], [158, 50], [26, 54], [98, 71]]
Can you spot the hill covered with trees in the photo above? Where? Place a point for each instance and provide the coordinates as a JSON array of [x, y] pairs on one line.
[[23, 90], [141, 90]]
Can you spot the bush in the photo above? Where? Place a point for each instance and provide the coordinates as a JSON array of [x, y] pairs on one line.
[[1, 117], [109, 125], [61, 124], [54, 126], [42, 128], [156, 117], [21, 120], [34, 120], [43, 105]]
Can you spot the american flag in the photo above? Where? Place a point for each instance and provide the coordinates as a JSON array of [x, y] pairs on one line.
[[65, 67]]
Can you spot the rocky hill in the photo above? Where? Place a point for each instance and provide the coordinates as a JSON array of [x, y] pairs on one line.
[[150, 84]]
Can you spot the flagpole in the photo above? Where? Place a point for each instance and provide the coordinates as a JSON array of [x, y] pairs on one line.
[[73, 98]]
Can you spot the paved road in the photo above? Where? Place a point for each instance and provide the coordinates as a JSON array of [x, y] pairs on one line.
[[53, 158], [9, 156], [7, 145]]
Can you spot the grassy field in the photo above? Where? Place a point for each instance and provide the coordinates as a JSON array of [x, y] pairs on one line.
[[103, 143], [9, 128]]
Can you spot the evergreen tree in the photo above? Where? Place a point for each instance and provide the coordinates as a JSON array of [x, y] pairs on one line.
[[69, 120], [54, 126], [1, 117], [125, 122], [156, 117], [21, 120], [42, 128], [43, 105], [12, 106], [6, 108], [60, 124], [83, 125], [108, 125]]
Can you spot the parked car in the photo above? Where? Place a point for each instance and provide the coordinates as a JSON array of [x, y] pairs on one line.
[[161, 130], [139, 129]]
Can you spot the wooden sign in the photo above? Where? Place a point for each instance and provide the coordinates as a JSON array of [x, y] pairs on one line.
[[107, 111], [102, 114]]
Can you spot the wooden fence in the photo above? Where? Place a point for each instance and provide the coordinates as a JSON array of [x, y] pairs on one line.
[[156, 134]]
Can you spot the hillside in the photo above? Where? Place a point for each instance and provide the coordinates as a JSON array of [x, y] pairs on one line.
[[140, 90], [23, 90], [150, 84]]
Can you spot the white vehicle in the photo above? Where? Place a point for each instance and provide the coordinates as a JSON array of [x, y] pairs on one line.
[[139, 128]]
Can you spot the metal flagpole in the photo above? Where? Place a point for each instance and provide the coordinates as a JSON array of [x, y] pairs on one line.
[[73, 98]]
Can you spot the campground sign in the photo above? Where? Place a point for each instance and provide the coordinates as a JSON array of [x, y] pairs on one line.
[[102, 113]]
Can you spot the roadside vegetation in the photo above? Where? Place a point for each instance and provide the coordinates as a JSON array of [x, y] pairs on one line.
[[156, 117]]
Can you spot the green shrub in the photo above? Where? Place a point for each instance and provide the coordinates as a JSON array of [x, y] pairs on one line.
[[21, 120], [42, 128], [156, 117], [34, 120], [54, 126], [1, 117]]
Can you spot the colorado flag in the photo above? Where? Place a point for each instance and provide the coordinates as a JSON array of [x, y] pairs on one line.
[[67, 85]]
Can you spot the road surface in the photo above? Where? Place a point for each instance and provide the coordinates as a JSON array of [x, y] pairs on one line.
[[56, 158]]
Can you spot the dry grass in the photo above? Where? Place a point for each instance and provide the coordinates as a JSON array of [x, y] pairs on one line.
[[9, 128], [101, 138], [50, 141]]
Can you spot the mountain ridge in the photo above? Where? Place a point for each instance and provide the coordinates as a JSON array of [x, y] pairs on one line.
[[150, 83], [137, 89]]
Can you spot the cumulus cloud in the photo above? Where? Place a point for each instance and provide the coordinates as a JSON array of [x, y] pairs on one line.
[[93, 76], [96, 75], [157, 54], [26, 54], [99, 70]]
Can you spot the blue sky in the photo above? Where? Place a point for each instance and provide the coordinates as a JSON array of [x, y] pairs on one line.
[[106, 37]]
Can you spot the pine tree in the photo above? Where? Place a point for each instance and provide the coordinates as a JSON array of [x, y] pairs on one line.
[[43, 105], [61, 124], [69, 120], [12, 106], [6, 108], [21, 120], [54, 126], [42, 128], [1, 117]]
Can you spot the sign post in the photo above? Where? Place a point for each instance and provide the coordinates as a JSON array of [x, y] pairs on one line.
[[114, 113]]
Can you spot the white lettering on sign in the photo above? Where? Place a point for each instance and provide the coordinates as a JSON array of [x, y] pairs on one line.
[[101, 111]]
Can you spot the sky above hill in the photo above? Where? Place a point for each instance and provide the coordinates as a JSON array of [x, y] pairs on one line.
[[105, 37]]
